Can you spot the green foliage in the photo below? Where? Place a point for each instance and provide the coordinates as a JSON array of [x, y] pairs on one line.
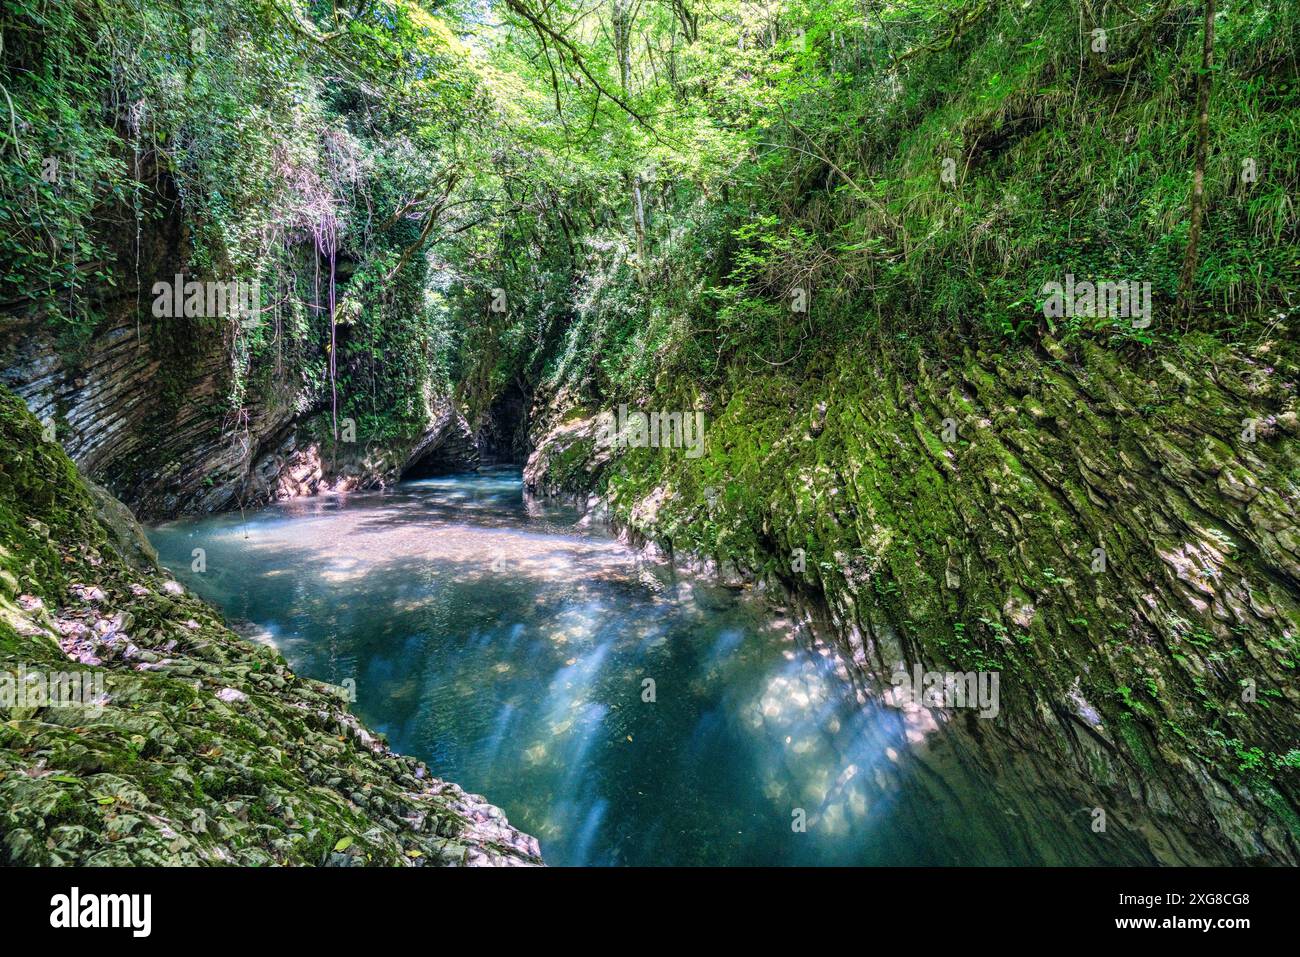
[[650, 186], [297, 147], [924, 176]]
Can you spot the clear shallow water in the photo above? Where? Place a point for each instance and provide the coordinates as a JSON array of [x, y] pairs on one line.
[[508, 647]]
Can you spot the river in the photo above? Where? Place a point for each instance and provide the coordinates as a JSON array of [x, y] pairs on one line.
[[621, 712]]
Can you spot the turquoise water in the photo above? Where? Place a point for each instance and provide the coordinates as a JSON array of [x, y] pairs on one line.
[[510, 648]]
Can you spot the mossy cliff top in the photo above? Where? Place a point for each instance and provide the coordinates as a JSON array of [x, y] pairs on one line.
[[184, 743]]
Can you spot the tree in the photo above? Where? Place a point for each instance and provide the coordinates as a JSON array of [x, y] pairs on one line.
[[1204, 80]]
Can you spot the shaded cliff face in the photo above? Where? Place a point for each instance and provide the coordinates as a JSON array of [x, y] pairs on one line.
[[309, 460], [181, 743], [1116, 537], [143, 408], [144, 404]]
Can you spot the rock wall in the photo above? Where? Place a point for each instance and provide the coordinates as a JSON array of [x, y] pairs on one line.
[[1114, 533], [142, 404], [143, 407]]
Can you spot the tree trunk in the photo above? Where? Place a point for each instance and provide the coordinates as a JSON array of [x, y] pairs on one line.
[[1203, 84], [621, 23], [638, 220]]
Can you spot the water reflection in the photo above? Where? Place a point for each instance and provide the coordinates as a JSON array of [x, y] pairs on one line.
[[510, 648]]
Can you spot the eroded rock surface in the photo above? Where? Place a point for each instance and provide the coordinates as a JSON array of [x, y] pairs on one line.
[[143, 409]]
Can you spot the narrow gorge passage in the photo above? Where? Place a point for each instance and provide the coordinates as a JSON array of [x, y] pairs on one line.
[[824, 442], [509, 646]]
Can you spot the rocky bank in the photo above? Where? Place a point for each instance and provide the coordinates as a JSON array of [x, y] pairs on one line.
[[191, 745]]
